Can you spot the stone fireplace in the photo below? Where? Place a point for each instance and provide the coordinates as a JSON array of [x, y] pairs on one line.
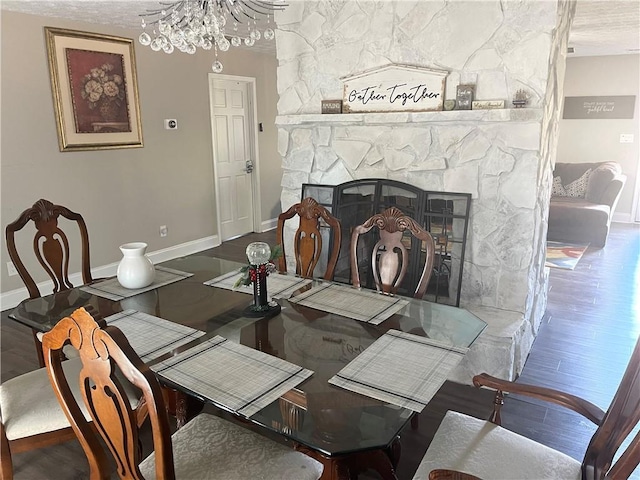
[[503, 158]]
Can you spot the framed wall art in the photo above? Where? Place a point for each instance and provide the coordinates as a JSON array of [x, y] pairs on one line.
[[95, 90], [599, 107]]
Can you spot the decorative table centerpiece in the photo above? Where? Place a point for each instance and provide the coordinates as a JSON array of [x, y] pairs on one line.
[[135, 270], [261, 258]]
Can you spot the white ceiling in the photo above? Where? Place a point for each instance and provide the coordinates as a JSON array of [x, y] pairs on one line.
[[606, 27], [601, 27]]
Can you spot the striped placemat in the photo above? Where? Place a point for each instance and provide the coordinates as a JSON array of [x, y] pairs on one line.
[[278, 285], [112, 290], [151, 336], [400, 368], [231, 375], [364, 305]]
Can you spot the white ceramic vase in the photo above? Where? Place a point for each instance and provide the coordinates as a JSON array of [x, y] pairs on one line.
[[135, 270]]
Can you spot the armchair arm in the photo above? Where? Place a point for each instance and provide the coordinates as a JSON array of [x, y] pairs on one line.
[[577, 404], [611, 194]]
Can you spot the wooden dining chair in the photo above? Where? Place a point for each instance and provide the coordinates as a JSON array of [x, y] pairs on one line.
[[51, 248], [390, 257], [31, 415], [206, 447], [307, 241], [487, 450]]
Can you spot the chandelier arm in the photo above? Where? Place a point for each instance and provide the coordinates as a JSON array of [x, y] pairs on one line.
[[236, 9], [269, 5], [260, 7], [164, 6], [233, 10], [253, 9]]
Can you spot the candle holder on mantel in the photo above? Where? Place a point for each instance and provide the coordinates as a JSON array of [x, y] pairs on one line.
[[259, 254]]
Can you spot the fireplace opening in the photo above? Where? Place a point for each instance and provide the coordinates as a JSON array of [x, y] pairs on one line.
[[443, 214]]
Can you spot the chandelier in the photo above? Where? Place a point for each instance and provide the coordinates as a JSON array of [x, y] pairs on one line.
[[188, 24]]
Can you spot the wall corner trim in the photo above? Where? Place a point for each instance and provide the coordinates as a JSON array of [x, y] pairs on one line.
[[268, 225], [621, 218]]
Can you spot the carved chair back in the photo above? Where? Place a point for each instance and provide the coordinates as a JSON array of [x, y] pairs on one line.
[[50, 245], [389, 258], [618, 422], [307, 242], [102, 352]]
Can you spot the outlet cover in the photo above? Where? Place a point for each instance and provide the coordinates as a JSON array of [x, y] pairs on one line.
[[164, 231], [626, 138], [170, 124], [11, 269]]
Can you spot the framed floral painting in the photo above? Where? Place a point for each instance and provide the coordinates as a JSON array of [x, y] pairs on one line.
[[95, 90]]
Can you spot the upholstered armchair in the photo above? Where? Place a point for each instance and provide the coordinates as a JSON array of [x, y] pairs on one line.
[[489, 451]]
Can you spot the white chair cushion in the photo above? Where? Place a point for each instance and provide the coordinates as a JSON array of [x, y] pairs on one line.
[[69, 351], [29, 405], [209, 447], [491, 452]]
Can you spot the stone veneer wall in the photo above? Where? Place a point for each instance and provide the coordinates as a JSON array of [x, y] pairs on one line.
[[503, 157]]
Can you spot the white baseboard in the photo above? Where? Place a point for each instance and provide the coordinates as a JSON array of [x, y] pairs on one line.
[[14, 297], [621, 218], [268, 225]]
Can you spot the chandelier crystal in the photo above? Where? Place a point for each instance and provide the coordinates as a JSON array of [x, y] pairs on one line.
[[188, 24]]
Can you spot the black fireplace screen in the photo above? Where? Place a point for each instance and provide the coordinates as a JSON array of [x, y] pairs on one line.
[[445, 215]]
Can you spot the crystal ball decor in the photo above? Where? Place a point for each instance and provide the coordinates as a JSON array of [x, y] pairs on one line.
[[258, 253], [216, 66]]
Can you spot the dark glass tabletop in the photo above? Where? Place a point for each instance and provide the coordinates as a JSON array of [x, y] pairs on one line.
[[316, 414]]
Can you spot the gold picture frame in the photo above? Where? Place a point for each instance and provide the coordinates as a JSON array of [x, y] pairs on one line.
[[95, 90]]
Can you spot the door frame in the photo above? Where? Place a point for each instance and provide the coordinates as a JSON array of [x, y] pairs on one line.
[[252, 122]]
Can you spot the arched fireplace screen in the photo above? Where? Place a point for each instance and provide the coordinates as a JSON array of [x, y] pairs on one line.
[[444, 214]]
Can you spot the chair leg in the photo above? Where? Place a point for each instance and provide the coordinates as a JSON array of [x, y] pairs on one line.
[[498, 401], [6, 465]]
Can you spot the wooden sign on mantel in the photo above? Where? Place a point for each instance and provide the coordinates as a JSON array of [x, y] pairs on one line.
[[394, 88]]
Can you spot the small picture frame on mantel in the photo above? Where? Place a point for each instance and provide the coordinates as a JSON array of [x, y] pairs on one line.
[[331, 106], [464, 96]]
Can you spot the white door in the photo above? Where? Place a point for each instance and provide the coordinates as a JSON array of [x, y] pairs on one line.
[[232, 157]]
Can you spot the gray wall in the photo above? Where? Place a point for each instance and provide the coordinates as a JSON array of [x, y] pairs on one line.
[[599, 140], [124, 195]]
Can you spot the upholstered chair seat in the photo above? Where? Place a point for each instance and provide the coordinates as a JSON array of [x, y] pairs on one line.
[[488, 451], [262, 458], [30, 407]]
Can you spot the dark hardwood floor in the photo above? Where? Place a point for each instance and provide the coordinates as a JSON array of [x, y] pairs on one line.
[[583, 346]]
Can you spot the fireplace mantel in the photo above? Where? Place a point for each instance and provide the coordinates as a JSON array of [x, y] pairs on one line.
[[439, 117]]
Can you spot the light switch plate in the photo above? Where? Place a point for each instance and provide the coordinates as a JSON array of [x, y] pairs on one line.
[[626, 138]]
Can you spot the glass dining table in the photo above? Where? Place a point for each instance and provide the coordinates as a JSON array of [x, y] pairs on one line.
[[347, 431]]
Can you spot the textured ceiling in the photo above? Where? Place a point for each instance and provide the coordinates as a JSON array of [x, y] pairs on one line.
[[601, 27]]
